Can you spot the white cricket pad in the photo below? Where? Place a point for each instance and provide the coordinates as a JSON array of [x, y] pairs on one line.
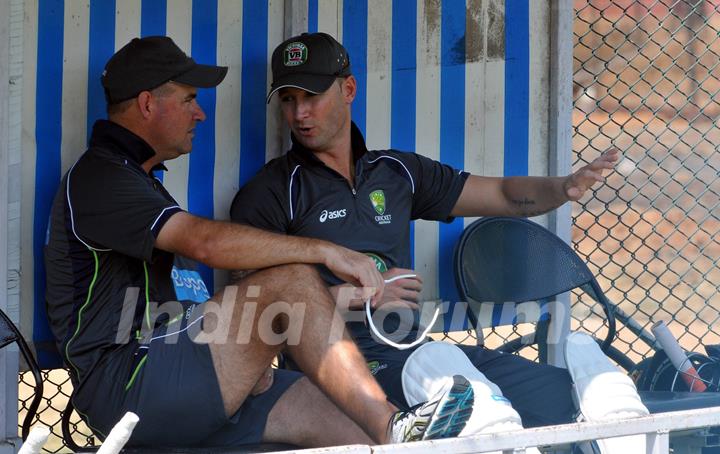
[[428, 370], [602, 392]]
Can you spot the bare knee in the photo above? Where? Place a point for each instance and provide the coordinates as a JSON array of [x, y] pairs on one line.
[[294, 282], [296, 271], [292, 270]]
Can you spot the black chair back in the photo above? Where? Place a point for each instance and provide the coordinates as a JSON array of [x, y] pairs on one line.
[[500, 260], [9, 333]]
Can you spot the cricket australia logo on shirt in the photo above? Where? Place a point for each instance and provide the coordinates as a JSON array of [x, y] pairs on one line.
[[379, 262], [377, 198], [295, 54]]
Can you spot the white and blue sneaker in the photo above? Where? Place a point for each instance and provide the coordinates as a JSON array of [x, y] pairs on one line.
[[443, 416]]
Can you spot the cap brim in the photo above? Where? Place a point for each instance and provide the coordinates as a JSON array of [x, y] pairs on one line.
[[313, 83], [203, 76]]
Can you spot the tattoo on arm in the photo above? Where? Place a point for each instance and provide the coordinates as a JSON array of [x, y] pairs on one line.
[[526, 207]]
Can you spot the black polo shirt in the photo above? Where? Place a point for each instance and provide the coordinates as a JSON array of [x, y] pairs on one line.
[[298, 194], [101, 241]]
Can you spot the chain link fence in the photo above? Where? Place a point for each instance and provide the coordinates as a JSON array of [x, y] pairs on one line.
[[646, 81], [55, 397]]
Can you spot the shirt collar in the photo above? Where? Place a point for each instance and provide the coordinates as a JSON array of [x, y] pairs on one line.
[[108, 134], [357, 141]]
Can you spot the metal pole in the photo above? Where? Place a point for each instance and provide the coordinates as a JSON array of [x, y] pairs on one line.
[[560, 150], [8, 356]]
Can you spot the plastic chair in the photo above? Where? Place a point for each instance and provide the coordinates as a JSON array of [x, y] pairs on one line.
[[513, 260], [503, 261], [9, 334]]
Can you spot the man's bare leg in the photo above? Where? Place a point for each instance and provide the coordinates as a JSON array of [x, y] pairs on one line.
[[335, 365], [306, 417]]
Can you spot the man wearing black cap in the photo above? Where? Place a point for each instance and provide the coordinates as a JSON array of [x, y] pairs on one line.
[[330, 186], [113, 238]]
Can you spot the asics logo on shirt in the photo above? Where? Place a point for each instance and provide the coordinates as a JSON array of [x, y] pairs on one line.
[[336, 214]]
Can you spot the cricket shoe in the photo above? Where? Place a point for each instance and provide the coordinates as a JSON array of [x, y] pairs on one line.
[[443, 416]]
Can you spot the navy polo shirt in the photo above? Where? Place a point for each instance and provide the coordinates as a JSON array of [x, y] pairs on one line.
[[101, 241], [298, 194]]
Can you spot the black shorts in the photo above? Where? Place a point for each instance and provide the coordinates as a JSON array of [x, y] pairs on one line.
[[540, 393], [171, 385]]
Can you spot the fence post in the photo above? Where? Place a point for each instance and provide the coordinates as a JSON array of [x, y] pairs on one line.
[[560, 150], [8, 356]]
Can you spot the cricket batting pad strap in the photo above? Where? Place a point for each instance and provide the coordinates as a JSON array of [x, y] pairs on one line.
[[602, 392], [430, 367]]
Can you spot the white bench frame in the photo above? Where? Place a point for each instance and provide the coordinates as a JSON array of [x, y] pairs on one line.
[[656, 428]]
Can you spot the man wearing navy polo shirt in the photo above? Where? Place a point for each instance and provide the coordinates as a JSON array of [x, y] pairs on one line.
[[330, 186]]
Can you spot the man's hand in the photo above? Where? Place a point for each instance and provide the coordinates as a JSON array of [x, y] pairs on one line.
[[401, 293], [405, 291], [577, 183], [357, 269]]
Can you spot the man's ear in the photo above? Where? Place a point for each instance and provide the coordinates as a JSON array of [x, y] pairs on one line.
[[349, 89], [145, 103]]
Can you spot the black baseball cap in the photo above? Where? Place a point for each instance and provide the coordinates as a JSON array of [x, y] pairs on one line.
[[146, 63], [311, 61]]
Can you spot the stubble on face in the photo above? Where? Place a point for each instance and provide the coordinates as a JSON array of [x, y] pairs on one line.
[[322, 116], [177, 115]]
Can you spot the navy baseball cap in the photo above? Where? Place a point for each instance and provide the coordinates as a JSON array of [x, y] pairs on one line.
[[146, 63], [311, 62]]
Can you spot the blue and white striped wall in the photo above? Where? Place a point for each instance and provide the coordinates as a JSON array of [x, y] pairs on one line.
[[466, 82]]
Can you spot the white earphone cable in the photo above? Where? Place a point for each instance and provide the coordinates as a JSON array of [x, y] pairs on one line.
[[375, 331]]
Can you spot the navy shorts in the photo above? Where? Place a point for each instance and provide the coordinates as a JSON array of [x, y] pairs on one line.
[[540, 393], [171, 385]]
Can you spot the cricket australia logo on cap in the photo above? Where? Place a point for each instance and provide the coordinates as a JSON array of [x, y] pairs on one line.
[[295, 54], [377, 198]]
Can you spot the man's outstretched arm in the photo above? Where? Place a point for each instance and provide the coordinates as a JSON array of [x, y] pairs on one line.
[[529, 196], [234, 246]]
